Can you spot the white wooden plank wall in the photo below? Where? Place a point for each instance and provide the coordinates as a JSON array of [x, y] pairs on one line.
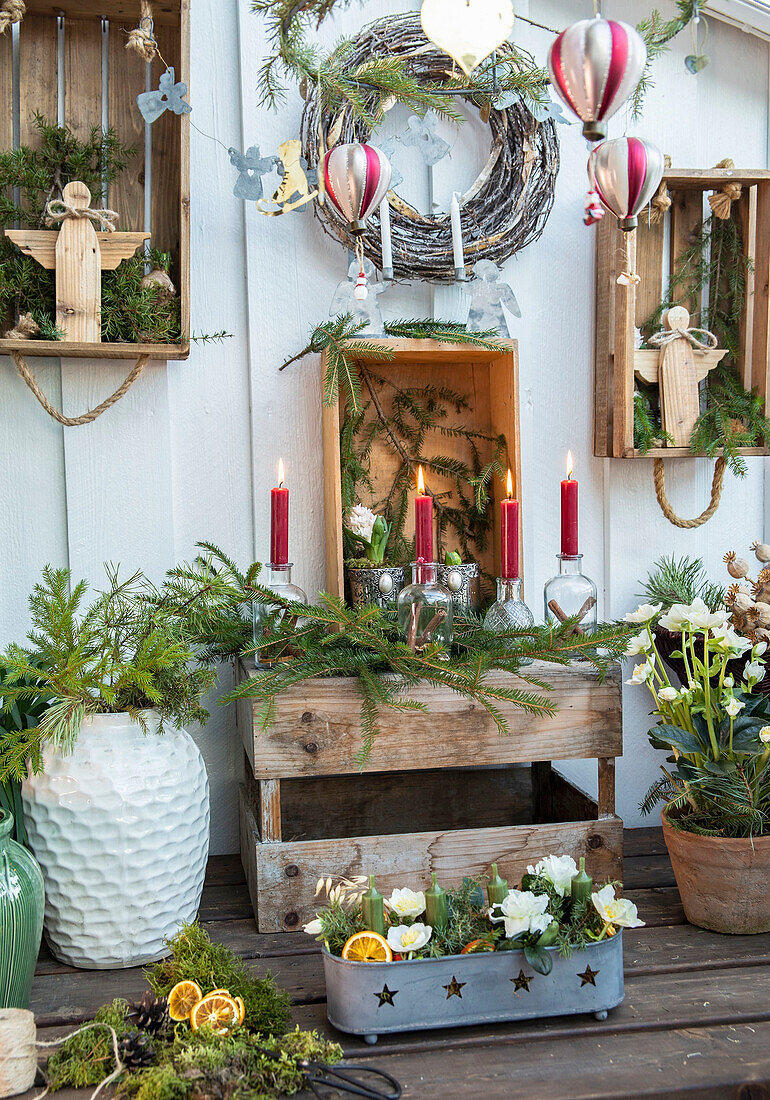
[[191, 452]]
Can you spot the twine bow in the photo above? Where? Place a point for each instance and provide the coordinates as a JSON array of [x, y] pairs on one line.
[[11, 11], [58, 211], [699, 338], [142, 38], [722, 200]]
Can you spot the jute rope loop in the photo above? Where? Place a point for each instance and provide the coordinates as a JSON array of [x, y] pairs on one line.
[[18, 1047], [58, 211], [142, 38], [11, 11], [704, 517], [699, 338], [722, 200], [87, 417]]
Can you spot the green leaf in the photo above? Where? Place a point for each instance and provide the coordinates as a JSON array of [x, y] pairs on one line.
[[538, 958], [665, 735]]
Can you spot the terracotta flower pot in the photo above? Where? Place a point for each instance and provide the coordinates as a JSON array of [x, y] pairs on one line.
[[723, 881]]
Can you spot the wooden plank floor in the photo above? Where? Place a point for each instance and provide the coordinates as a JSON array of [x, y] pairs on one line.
[[695, 1021]]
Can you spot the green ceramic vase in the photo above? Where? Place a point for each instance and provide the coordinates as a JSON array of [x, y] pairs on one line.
[[22, 903]]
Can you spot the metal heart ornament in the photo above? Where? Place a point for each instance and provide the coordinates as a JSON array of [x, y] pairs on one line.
[[627, 172], [357, 178], [468, 30], [595, 66]]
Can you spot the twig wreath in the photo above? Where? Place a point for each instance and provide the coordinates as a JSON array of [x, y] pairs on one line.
[[503, 211]]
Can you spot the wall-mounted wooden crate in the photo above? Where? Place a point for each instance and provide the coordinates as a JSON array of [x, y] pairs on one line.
[[441, 791], [620, 309], [490, 380], [73, 65]]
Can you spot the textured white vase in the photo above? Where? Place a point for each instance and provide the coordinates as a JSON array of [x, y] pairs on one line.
[[120, 828]]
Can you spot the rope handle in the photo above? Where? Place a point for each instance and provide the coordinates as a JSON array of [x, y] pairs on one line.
[[92, 414], [705, 516]]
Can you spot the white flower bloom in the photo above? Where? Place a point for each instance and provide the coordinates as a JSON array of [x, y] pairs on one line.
[[522, 911], [754, 670], [618, 911], [759, 649], [641, 673], [764, 735], [728, 681], [407, 903], [729, 641], [361, 521], [640, 643], [313, 927], [668, 694], [559, 870], [733, 707], [677, 618], [409, 937], [644, 613]]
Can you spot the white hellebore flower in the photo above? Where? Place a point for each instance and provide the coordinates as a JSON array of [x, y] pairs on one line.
[[733, 707], [729, 641], [668, 694], [409, 937], [361, 521], [641, 673], [643, 614], [754, 670], [617, 911], [640, 643], [522, 911], [764, 735], [559, 870], [313, 927], [759, 649], [407, 903]]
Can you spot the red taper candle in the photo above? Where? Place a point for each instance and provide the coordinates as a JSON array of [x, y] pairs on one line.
[[423, 521], [279, 521], [569, 512], [509, 534]]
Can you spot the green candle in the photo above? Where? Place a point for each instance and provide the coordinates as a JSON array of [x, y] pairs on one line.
[[582, 884], [497, 889], [436, 912], [373, 907]]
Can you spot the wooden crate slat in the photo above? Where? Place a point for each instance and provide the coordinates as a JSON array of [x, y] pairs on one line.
[[686, 224], [649, 266], [127, 11], [623, 348], [747, 212], [83, 76], [166, 156], [6, 124], [603, 340], [126, 78], [38, 74], [761, 327]]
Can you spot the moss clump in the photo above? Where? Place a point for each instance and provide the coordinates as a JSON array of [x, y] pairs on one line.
[[88, 1057]]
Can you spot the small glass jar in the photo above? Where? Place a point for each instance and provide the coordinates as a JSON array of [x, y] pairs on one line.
[[509, 612], [425, 609], [571, 593], [278, 579]]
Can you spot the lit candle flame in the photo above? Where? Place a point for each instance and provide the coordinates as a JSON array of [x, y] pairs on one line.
[[509, 485], [570, 465], [420, 481], [281, 473]]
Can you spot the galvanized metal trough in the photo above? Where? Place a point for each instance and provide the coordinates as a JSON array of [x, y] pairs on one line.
[[373, 999]]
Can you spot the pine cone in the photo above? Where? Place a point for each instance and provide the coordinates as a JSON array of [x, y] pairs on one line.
[[150, 1014], [136, 1050]]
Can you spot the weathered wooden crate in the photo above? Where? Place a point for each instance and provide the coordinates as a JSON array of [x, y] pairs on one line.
[[619, 309], [490, 379], [75, 49], [442, 791]]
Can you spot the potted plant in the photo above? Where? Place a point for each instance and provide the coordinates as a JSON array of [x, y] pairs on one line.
[[716, 784], [115, 792], [436, 958], [462, 580], [369, 579]]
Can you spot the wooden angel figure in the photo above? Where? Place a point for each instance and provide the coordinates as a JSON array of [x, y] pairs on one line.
[[361, 309], [489, 296]]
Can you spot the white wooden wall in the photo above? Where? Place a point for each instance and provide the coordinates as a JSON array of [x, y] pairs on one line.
[[191, 452]]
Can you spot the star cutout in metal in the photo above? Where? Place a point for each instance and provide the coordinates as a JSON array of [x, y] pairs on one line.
[[522, 982], [454, 987], [588, 977], [386, 997]]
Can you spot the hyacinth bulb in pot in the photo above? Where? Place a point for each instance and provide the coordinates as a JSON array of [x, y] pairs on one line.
[[114, 790], [715, 786], [368, 579]]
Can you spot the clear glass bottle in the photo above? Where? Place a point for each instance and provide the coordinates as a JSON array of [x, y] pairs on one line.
[[425, 609], [278, 579], [509, 612], [570, 593]]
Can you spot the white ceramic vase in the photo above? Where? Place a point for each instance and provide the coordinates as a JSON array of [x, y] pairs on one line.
[[120, 828]]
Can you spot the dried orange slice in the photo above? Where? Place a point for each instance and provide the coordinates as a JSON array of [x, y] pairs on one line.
[[367, 947], [475, 946], [182, 999], [241, 1009], [218, 1011]]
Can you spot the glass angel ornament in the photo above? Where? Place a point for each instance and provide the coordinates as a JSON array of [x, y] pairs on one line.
[[489, 299], [347, 299]]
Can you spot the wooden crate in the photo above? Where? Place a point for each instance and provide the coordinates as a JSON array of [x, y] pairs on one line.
[[99, 79], [619, 309], [442, 791], [491, 381]]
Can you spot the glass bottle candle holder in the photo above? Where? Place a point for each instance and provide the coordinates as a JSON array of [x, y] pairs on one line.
[[425, 609], [509, 612], [278, 579], [571, 593]]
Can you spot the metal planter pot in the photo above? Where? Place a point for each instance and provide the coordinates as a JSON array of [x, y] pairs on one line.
[[463, 583], [372, 999], [379, 585]]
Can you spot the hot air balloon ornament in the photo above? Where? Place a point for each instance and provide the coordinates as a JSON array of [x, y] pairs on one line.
[[595, 66], [627, 173], [356, 178]]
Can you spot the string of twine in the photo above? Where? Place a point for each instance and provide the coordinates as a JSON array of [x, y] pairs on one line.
[[716, 495], [11, 11], [721, 201], [705, 341], [58, 211], [18, 1036], [92, 414], [142, 38]]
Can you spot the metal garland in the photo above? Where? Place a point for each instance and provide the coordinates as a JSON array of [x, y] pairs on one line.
[[504, 210]]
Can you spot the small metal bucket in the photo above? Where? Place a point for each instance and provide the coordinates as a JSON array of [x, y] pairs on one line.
[[463, 583], [380, 585], [372, 999]]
